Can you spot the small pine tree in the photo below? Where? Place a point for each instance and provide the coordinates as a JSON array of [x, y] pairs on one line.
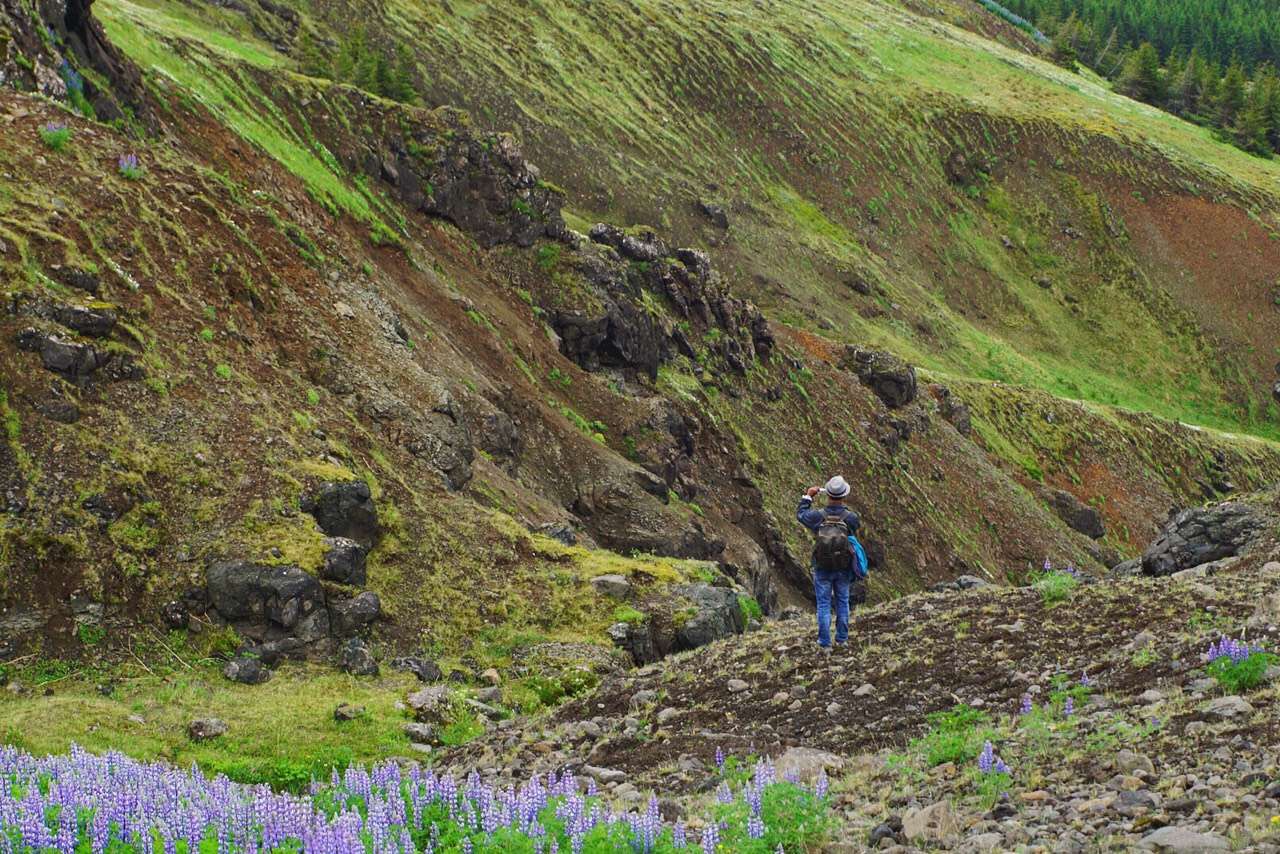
[[1231, 95], [1063, 50], [402, 76], [1141, 78], [312, 60], [1184, 95], [1250, 129]]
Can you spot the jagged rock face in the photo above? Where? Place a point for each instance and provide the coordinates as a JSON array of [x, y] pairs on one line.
[[620, 267], [893, 380], [1202, 535], [436, 163], [268, 602], [78, 39], [345, 509]]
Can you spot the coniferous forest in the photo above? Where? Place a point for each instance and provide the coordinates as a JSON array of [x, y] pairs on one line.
[[1212, 62]]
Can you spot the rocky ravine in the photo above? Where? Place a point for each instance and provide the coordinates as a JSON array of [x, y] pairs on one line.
[[1154, 756]]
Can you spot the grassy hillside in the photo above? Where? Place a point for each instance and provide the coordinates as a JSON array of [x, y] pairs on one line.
[[827, 129]]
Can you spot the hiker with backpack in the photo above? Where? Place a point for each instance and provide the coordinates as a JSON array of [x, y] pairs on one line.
[[838, 557]]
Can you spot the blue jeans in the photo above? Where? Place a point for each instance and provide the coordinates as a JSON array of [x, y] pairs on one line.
[[827, 584]]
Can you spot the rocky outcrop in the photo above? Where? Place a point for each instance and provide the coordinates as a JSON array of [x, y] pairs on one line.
[[620, 267], [893, 380], [47, 47], [952, 410], [714, 613], [345, 509], [435, 162], [268, 602], [690, 616], [76, 362], [351, 616], [1202, 535]]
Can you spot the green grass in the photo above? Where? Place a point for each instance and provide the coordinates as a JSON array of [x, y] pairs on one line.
[[1054, 586], [1235, 677], [954, 736], [55, 138], [281, 732]]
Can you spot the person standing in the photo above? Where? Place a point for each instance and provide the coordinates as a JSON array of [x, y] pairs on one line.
[[837, 555]]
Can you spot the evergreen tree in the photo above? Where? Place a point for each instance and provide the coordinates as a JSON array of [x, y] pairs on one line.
[[312, 60], [1231, 95], [1184, 97], [1250, 129], [1141, 78], [1063, 51], [403, 85]]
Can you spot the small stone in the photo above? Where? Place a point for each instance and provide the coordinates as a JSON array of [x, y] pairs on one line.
[[1225, 708], [347, 712], [343, 310], [780, 697], [356, 659], [491, 676], [834, 709], [1128, 762], [931, 823], [807, 763], [604, 776], [864, 690], [736, 686], [204, 729], [1180, 839], [420, 733], [613, 586], [1150, 697], [667, 715], [247, 670], [1141, 640]]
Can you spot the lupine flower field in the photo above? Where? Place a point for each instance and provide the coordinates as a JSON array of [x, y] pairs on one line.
[[90, 804]]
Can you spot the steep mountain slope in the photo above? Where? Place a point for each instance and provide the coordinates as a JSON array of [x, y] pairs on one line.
[[278, 306], [1007, 219]]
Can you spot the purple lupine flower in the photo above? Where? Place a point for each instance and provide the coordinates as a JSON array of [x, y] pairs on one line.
[[723, 794], [720, 758], [820, 788], [710, 838], [1001, 767], [1048, 565], [755, 827], [1026, 705], [678, 838], [1086, 681], [128, 165], [1233, 649], [1069, 707], [986, 759]]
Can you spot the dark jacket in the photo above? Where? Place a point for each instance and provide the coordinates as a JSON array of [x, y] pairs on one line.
[[812, 518]]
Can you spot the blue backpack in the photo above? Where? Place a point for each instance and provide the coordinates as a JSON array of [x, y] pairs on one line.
[[860, 568]]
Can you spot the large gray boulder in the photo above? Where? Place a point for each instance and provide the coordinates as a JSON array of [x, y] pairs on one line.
[[345, 508], [1202, 535], [353, 615], [356, 659], [344, 562], [716, 614], [268, 601]]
